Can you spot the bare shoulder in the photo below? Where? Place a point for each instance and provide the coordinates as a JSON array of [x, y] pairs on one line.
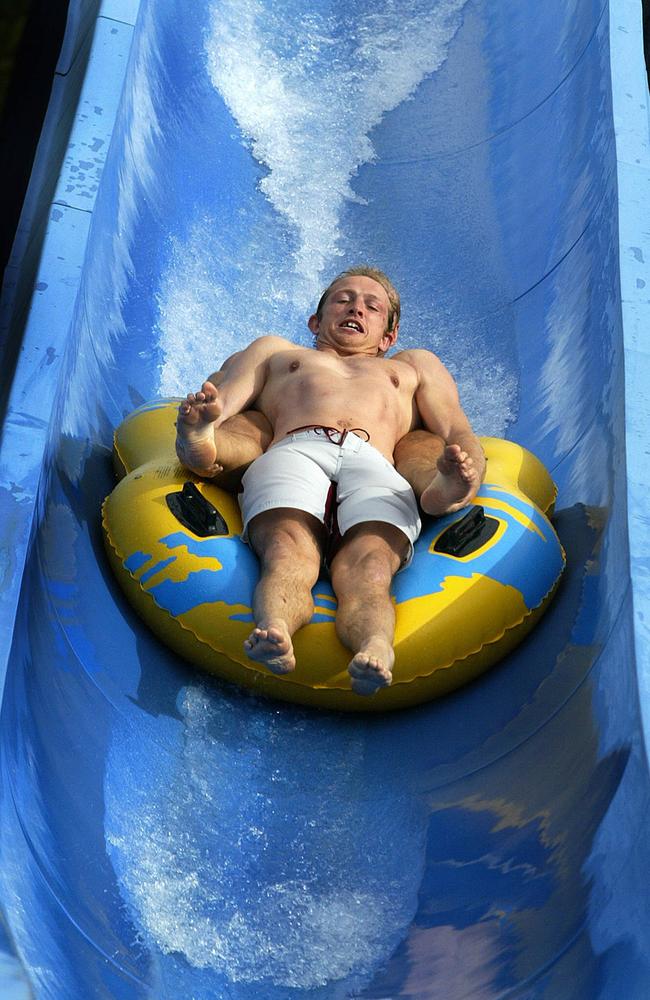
[[270, 344], [259, 350], [428, 366], [436, 398], [252, 358]]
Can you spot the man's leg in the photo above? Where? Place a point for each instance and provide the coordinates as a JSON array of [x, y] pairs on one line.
[[288, 544], [362, 571], [221, 452], [443, 477]]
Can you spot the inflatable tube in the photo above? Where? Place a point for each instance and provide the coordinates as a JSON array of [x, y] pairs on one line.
[[479, 580]]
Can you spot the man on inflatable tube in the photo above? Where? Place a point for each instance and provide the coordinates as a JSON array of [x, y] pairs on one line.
[[323, 429]]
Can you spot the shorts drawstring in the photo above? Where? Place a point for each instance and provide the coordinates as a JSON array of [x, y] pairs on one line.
[[333, 434]]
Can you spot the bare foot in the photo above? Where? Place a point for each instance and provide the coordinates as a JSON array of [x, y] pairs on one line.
[[372, 667], [454, 484], [271, 645], [195, 439]]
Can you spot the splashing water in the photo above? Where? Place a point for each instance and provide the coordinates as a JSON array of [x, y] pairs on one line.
[[308, 91], [264, 849]]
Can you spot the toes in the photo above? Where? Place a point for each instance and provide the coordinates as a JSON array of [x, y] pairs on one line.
[[368, 674], [461, 462], [272, 648], [271, 636], [275, 637], [468, 472], [256, 636], [362, 667]]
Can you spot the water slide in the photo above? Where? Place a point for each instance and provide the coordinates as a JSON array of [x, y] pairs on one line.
[[204, 169]]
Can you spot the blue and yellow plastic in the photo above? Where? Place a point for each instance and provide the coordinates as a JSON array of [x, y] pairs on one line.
[[455, 616]]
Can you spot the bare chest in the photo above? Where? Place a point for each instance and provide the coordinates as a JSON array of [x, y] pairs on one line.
[[312, 371], [314, 387]]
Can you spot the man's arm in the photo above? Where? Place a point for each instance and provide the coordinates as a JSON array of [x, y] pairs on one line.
[[223, 403], [242, 376], [439, 406], [444, 463]]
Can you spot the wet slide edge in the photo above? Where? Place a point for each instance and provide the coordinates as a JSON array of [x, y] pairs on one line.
[[632, 131], [43, 276]]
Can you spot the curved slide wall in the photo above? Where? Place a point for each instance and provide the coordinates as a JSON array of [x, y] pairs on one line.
[[167, 836]]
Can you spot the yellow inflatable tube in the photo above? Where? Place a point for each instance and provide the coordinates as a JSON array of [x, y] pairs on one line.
[[480, 579]]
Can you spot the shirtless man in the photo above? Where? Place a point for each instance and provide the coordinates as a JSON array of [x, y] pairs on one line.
[[341, 413]]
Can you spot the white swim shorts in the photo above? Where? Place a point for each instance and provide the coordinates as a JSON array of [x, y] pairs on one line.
[[307, 470]]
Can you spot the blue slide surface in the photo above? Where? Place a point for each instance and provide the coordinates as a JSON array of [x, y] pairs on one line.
[[212, 167]]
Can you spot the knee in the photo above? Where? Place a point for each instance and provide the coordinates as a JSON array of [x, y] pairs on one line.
[[370, 566], [274, 547], [250, 425], [419, 444], [281, 548], [285, 544]]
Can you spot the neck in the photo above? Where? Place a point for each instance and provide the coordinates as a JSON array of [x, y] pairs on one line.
[[342, 353]]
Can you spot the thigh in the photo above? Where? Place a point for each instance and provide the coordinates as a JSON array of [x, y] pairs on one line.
[[283, 478], [371, 490]]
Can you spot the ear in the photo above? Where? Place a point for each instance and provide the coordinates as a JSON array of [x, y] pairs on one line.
[[389, 339], [313, 324]]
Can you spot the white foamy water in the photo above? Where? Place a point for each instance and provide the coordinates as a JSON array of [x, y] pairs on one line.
[[305, 89], [207, 310], [269, 849]]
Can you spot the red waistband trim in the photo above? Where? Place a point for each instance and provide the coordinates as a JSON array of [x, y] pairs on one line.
[[333, 434]]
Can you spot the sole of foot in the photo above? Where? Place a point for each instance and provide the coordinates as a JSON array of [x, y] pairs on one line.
[[272, 647]]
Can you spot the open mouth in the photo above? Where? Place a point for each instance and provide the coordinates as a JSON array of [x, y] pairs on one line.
[[351, 324]]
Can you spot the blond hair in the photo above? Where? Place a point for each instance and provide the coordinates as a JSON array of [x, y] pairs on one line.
[[376, 275]]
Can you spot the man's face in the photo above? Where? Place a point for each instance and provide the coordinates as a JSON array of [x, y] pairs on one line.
[[354, 318]]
